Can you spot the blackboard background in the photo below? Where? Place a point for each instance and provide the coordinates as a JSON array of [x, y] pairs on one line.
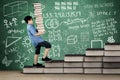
[[71, 26]]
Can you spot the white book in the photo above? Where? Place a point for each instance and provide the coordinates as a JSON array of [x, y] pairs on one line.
[[53, 70], [112, 46], [93, 59], [74, 58], [95, 52], [112, 53], [73, 70], [111, 65], [111, 71], [92, 64], [31, 69], [73, 64], [93, 70], [111, 59], [40, 27]]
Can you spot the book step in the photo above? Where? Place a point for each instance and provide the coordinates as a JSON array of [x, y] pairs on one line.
[[55, 63], [92, 70], [112, 53], [111, 59], [111, 65], [73, 70], [31, 69], [53, 70], [111, 71], [74, 57], [73, 64], [92, 64], [95, 52], [93, 59], [112, 46]]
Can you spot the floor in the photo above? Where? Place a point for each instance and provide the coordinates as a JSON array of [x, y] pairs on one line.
[[17, 75]]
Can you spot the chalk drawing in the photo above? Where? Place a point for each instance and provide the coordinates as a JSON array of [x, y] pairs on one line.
[[52, 23], [15, 31], [80, 49], [11, 50], [6, 23], [65, 50], [84, 36], [55, 52], [22, 59], [72, 39], [15, 8], [73, 21], [30, 50], [10, 23], [54, 35], [65, 5], [111, 39], [71, 14], [96, 41], [26, 42], [6, 62], [22, 21], [11, 40]]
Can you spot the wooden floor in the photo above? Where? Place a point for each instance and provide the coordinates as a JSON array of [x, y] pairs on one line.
[[17, 75]]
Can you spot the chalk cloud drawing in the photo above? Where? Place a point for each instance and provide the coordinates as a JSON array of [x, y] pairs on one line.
[[15, 8], [52, 23], [72, 39], [111, 39], [11, 40], [6, 61]]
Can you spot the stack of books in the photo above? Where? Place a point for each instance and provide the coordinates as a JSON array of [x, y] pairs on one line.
[[38, 17]]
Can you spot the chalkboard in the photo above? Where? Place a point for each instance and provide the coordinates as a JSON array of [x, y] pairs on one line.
[[71, 27]]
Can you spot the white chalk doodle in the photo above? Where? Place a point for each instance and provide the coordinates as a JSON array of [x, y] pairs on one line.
[[54, 35], [52, 23], [26, 42], [6, 61], [65, 50], [96, 42], [11, 40], [73, 21], [72, 39], [15, 31], [104, 27], [30, 50], [84, 36], [55, 52], [11, 50], [22, 59], [10, 23], [111, 39], [15, 8], [22, 21], [80, 49], [66, 5]]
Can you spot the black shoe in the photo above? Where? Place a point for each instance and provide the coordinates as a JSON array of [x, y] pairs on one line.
[[38, 65], [46, 59]]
